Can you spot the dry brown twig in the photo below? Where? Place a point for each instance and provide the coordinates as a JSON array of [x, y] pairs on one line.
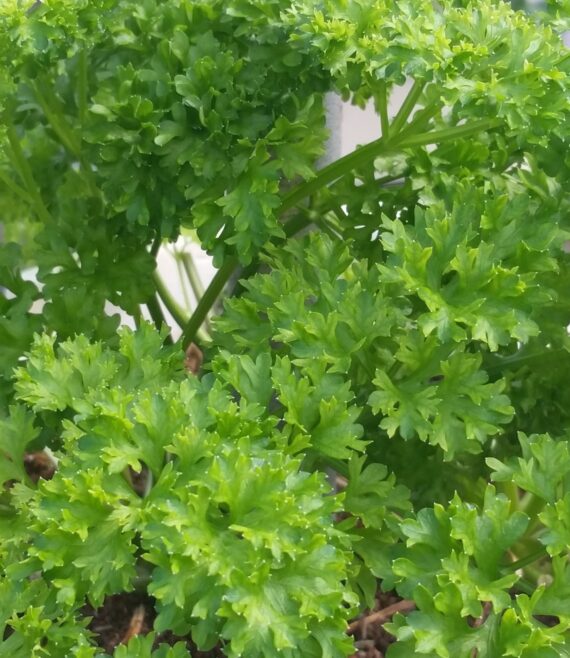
[[487, 607], [193, 358], [340, 482], [380, 616], [135, 625], [366, 649]]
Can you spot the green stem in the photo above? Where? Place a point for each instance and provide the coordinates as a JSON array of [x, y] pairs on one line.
[[140, 583], [360, 155], [157, 316], [143, 577], [294, 225], [382, 105], [82, 86], [335, 218], [531, 504], [525, 587], [327, 175], [366, 366], [156, 245], [370, 151], [386, 180], [316, 461], [137, 317], [378, 147], [183, 278], [192, 274], [522, 358], [422, 118], [37, 4], [511, 490], [332, 172], [168, 300], [20, 164], [447, 134], [54, 114], [207, 301], [527, 559], [14, 187], [326, 228], [339, 168], [7, 510], [407, 106], [562, 59]]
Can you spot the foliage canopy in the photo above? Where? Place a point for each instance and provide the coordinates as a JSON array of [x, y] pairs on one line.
[[400, 324]]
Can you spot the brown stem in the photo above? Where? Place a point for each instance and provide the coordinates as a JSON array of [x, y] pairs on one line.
[[381, 616], [487, 607], [135, 626]]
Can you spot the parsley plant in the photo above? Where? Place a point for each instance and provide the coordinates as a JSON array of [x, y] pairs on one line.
[[399, 326]]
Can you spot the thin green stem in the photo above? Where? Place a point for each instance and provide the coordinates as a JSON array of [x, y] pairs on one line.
[[527, 559], [137, 317], [338, 213], [353, 160], [447, 134], [407, 106], [525, 587], [37, 4], [422, 118], [193, 278], [369, 152], [531, 504], [7, 510], [140, 583], [183, 278], [325, 227], [511, 490], [169, 302], [143, 576], [562, 59], [366, 366], [157, 316], [55, 116], [382, 106], [295, 224], [378, 147], [82, 85], [192, 274], [20, 164], [338, 169], [207, 301], [155, 247], [521, 358], [318, 462], [329, 174], [387, 180], [14, 187]]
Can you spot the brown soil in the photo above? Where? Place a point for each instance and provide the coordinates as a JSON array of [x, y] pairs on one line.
[[371, 639], [124, 615]]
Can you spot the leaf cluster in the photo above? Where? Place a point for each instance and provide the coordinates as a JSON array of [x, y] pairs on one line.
[[383, 402]]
